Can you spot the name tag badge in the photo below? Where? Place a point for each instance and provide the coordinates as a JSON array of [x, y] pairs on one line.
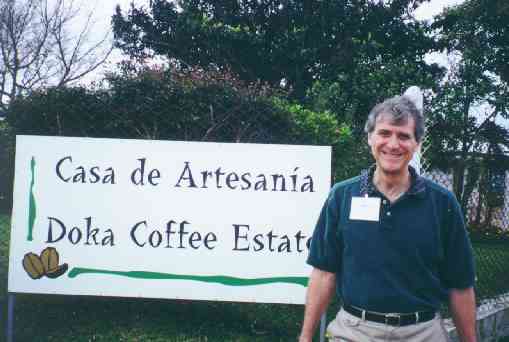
[[365, 209]]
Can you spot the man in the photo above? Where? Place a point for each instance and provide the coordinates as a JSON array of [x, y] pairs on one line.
[[393, 244]]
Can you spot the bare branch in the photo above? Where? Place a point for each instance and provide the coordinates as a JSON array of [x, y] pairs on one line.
[[38, 48]]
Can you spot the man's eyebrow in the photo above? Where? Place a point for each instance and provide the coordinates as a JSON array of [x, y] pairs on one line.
[[404, 134]]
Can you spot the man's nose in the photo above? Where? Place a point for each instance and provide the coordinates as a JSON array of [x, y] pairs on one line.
[[393, 142]]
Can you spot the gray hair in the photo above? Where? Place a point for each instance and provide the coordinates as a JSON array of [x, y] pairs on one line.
[[399, 109]]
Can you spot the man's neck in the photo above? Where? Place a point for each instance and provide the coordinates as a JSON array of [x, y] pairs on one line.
[[392, 185]]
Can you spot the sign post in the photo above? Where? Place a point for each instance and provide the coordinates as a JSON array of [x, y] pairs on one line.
[[10, 317]]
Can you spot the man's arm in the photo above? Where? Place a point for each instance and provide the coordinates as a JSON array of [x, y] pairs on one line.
[[320, 291], [462, 306]]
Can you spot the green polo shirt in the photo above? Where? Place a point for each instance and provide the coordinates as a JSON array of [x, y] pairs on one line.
[[407, 260]]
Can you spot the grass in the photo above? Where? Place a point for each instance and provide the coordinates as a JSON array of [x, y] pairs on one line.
[[55, 318], [491, 263]]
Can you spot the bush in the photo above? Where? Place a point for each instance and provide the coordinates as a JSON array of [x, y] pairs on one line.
[[488, 233], [322, 128], [6, 166], [196, 105], [165, 104], [73, 111]]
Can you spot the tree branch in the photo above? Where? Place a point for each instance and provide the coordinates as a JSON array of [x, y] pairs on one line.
[[36, 50]]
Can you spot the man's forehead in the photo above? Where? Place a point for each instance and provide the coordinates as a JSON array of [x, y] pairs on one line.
[[390, 120]]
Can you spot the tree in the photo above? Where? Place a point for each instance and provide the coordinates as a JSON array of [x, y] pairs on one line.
[[352, 94], [479, 29], [464, 128], [290, 43], [37, 47]]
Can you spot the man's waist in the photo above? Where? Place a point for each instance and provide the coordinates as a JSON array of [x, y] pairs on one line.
[[394, 319]]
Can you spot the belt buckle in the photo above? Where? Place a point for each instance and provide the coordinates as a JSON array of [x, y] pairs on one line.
[[393, 315]]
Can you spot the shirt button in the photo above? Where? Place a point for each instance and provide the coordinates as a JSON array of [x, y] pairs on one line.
[[384, 202], [388, 213]]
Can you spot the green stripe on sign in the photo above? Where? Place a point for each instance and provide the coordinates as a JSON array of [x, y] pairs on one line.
[[225, 280], [32, 211]]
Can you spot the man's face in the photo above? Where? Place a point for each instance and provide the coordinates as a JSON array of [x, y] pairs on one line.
[[392, 145]]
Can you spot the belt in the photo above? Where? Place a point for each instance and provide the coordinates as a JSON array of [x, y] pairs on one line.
[[396, 319]]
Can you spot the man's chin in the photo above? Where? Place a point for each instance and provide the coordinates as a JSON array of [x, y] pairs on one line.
[[392, 170]]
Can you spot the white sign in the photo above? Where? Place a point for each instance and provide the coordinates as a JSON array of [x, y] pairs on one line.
[[161, 219]]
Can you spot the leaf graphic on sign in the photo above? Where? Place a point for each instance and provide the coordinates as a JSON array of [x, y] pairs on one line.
[[32, 210]]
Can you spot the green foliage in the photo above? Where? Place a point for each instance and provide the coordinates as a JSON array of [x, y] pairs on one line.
[[196, 105], [478, 28], [158, 104], [68, 111], [491, 258], [5, 231], [463, 127], [463, 138], [350, 94], [6, 167], [476, 91], [484, 233], [322, 128], [317, 128], [292, 42]]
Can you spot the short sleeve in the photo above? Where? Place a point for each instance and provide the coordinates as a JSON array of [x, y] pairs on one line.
[[325, 252], [458, 268]]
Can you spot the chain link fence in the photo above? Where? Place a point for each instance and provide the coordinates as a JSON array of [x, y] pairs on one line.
[[487, 216]]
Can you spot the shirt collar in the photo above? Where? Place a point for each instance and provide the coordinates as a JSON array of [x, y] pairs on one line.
[[367, 187]]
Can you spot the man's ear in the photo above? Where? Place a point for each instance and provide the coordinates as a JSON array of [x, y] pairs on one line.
[[369, 139]]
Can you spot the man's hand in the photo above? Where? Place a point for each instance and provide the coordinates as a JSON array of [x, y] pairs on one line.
[[320, 291], [462, 306]]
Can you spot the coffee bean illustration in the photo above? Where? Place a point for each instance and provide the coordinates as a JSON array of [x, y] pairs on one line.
[[33, 265], [44, 265], [57, 272], [49, 258]]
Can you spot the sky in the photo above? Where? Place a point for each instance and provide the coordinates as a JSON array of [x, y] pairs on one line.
[[429, 9], [425, 11]]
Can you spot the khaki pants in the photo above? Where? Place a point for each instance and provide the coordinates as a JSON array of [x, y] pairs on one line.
[[348, 328]]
